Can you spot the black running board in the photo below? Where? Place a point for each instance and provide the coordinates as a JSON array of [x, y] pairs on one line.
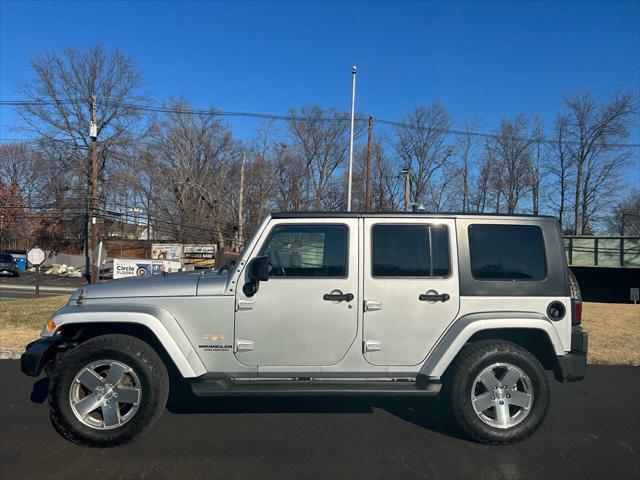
[[222, 387]]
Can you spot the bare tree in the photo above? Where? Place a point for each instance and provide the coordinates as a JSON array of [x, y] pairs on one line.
[[421, 145], [387, 188], [559, 167], [19, 168], [260, 180], [480, 194], [510, 149], [38, 189], [192, 160], [593, 130], [291, 179], [321, 140], [465, 150], [625, 218], [61, 99], [537, 159]]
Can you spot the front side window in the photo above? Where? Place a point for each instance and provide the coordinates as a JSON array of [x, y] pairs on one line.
[[507, 252], [410, 251], [307, 251]]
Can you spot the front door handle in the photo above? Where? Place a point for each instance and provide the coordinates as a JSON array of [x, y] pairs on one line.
[[433, 296], [337, 296]]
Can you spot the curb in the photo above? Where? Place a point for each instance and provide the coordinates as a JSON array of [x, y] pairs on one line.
[[10, 353], [42, 288]]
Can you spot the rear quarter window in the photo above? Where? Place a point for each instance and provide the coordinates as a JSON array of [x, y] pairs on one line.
[[507, 252]]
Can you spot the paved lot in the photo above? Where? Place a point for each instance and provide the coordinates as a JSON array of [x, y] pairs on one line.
[[8, 293], [29, 279], [22, 287], [592, 431]]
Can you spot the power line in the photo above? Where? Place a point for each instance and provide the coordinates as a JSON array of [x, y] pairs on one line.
[[294, 117], [106, 212], [497, 136], [191, 111]]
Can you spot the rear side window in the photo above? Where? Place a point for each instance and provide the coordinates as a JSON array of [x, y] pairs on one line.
[[5, 257], [307, 251], [507, 252], [410, 251]]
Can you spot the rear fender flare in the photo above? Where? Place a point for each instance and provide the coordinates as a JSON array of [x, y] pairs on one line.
[[459, 333]]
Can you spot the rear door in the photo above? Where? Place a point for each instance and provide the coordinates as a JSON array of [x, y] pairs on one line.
[[410, 289]]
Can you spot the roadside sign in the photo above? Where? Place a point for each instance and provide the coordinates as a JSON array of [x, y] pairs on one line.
[[138, 267], [166, 251], [200, 254], [36, 256], [635, 295]]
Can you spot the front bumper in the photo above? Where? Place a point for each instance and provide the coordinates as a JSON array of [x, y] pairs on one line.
[[38, 354], [572, 367]]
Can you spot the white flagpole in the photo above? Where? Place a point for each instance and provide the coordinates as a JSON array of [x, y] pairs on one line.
[[353, 106]]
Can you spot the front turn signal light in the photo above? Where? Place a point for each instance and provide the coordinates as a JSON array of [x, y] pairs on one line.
[[51, 326]]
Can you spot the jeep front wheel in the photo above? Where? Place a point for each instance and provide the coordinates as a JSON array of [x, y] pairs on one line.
[[107, 391], [500, 393]]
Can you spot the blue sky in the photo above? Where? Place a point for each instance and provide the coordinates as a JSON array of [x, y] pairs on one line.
[[495, 59]]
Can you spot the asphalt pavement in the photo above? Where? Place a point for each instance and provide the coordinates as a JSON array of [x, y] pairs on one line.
[[8, 293], [592, 432], [28, 279], [23, 287]]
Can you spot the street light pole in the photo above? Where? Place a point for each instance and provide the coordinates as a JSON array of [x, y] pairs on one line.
[[353, 106]]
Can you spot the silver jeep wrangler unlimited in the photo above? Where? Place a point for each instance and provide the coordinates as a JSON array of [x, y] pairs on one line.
[[329, 304]]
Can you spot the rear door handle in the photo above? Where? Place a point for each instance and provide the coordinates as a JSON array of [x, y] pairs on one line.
[[337, 296], [434, 297]]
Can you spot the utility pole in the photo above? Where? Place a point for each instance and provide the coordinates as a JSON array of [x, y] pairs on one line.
[[93, 133], [353, 106], [367, 194], [240, 201], [406, 172]]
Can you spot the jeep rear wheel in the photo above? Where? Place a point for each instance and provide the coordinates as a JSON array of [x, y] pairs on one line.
[[107, 391], [500, 393]]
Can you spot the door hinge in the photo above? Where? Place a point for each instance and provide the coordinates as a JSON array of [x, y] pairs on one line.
[[244, 345], [372, 346], [371, 306], [244, 305]]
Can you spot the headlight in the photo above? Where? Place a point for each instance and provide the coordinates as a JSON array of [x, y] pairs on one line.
[[49, 328]]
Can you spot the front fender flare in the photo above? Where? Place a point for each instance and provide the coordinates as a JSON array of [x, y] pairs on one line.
[[157, 319], [460, 331]]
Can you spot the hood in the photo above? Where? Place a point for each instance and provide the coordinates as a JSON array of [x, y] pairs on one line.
[[171, 285]]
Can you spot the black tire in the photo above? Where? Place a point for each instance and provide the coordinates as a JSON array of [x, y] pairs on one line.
[[472, 361], [147, 365]]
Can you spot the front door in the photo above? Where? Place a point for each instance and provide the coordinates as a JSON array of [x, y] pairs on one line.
[[410, 287], [305, 314]]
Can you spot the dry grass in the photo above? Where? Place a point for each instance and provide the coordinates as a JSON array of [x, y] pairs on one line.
[[22, 320], [614, 332], [614, 329]]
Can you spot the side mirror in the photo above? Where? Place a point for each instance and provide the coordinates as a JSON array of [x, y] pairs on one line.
[[257, 271]]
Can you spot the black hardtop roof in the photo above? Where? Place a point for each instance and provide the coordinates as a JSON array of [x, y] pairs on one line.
[[343, 214]]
